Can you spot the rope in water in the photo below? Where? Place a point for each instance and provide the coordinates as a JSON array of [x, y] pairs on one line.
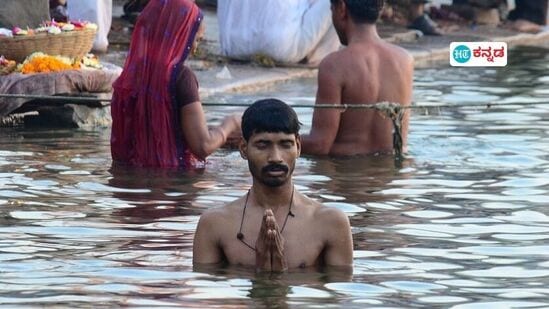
[[91, 99], [393, 111]]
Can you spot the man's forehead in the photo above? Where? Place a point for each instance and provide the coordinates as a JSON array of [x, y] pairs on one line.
[[274, 136]]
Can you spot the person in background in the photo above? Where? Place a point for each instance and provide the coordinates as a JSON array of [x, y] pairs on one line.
[[481, 12], [95, 11], [158, 120], [58, 10], [282, 31], [132, 8], [368, 70], [273, 227], [413, 12], [529, 16]]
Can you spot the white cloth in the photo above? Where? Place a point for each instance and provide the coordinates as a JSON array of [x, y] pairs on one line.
[[286, 30], [96, 11]]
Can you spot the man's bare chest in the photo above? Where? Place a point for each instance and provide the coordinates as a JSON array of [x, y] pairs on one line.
[[302, 247]]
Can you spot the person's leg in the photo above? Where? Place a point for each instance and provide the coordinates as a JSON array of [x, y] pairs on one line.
[[529, 15], [531, 10]]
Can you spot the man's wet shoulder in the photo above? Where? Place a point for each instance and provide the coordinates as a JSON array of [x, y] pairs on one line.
[[333, 60], [224, 212], [329, 213], [400, 52]]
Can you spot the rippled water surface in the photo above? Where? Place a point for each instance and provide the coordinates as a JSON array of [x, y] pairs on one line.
[[463, 222]]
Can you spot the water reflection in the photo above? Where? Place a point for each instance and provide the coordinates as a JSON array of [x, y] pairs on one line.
[[268, 290], [152, 194]]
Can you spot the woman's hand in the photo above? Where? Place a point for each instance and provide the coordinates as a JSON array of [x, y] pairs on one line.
[[234, 137]]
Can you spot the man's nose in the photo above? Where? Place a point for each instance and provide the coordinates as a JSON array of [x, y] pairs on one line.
[[275, 155]]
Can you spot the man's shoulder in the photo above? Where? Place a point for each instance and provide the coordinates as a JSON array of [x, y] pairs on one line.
[[221, 214], [345, 57], [329, 214], [400, 53], [333, 60], [333, 221], [325, 214]]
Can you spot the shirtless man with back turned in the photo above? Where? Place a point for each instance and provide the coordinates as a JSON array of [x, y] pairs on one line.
[[368, 70], [273, 227]]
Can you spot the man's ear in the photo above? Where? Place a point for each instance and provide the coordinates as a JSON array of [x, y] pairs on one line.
[[298, 144], [243, 148], [341, 9]]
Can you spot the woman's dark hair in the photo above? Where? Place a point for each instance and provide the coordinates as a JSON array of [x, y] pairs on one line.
[[363, 11], [269, 115]]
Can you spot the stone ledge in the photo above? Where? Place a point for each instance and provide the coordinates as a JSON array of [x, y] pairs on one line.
[[246, 78]]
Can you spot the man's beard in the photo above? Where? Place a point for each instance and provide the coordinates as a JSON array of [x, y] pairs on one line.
[[267, 180]]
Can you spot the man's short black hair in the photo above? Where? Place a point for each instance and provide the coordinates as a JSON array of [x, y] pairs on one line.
[[363, 11], [269, 115]]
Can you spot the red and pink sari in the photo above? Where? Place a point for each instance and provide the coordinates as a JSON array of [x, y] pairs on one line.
[[146, 129]]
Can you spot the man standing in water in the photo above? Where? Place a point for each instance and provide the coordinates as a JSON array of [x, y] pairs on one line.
[[273, 227], [368, 70]]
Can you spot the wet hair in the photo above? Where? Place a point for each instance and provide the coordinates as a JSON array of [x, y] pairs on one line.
[[363, 11], [269, 115]]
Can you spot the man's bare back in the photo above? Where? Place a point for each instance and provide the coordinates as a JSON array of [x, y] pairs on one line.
[[367, 71]]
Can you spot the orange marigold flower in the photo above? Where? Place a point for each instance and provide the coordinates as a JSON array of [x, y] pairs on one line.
[[45, 64]]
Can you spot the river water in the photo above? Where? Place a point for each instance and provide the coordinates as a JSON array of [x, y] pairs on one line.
[[463, 222]]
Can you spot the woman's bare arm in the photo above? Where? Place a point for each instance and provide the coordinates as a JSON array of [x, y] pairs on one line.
[[201, 139]]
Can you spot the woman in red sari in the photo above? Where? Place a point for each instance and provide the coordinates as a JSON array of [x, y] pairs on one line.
[[158, 120]]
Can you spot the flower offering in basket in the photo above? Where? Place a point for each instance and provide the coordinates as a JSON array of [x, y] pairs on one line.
[[73, 39], [7, 66], [42, 63]]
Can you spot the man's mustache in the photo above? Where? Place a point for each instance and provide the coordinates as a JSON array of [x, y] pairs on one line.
[[275, 168]]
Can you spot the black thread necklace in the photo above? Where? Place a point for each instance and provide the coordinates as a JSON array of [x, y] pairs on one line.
[[240, 236]]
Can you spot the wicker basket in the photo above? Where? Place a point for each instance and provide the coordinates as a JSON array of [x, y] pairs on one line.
[[73, 44]]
